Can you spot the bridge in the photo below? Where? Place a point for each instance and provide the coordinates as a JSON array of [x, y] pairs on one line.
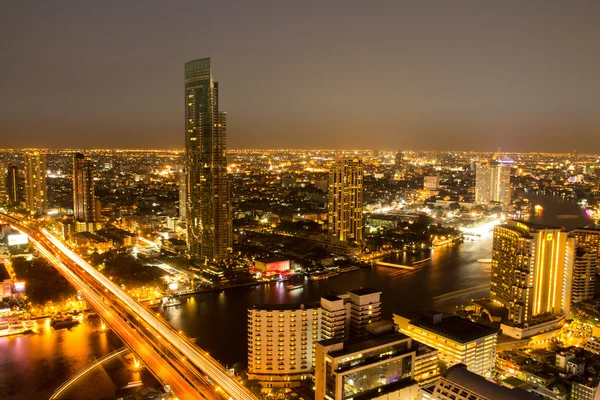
[[178, 363]]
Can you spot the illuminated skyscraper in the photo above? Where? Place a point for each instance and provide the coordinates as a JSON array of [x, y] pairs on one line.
[[531, 267], [12, 185], [345, 220], [84, 201], [492, 183], [36, 199], [3, 193], [182, 197], [208, 197]]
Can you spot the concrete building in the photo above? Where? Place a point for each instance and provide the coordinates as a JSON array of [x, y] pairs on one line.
[[208, 193], [492, 182], [281, 343], [345, 206], [531, 271], [365, 308], [458, 383], [458, 340], [36, 197], [380, 365]]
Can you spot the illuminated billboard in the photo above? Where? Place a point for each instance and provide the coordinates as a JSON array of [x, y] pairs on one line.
[[15, 239]]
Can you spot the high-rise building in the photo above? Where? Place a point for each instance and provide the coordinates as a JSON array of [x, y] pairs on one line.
[[3, 193], [84, 201], [585, 264], [208, 196], [382, 365], [12, 185], [36, 198], [182, 197], [345, 215], [530, 270], [399, 164], [281, 343], [458, 340], [492, 182]]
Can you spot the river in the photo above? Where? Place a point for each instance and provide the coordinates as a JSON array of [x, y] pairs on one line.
[[33, 366]]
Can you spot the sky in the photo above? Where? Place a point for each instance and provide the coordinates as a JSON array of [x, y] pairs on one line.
[[419, 75]]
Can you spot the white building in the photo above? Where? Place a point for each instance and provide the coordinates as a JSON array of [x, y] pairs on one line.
[[492, 182], [281, 343]]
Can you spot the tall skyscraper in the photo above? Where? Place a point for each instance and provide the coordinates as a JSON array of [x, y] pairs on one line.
[[12, 185], [346, 200], [492, 182], [399, 164], [3, 193], [208, 197], [182, 197], [36, 198], [531, 267], [84, 201]]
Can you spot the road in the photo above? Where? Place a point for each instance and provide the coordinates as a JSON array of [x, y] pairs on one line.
[[74, 267]]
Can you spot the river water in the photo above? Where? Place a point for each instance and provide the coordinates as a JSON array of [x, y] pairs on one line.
[[33, 366]]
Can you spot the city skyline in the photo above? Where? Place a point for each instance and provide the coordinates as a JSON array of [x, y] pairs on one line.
[[516, 76]]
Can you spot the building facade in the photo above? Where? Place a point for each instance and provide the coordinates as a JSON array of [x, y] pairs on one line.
[[208, 193], [531, 267], [13, 192], [458, 340], [36, 197], [84, 200], [366, 368], [587, 253], [345, 206], [492, 182], [281, 343]]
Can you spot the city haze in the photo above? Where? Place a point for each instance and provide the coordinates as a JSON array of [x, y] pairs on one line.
[[427, 75]]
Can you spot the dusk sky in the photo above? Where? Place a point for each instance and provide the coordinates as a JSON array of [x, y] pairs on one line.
[[437, 75]]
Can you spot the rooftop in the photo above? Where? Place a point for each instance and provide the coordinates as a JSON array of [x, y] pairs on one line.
[[284, 307], [452, 327], [364, 343], [459, 375], [364, 291], [267, 260]]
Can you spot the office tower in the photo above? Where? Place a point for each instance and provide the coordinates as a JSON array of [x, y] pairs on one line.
[[281, 343], [458, 340], [458, 383], [585, 264], [84, 201], [182, 197], [492, 182], [12, 185], [35, 183], [208, 198], [346, 200], [373, 366], [530, 270]]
